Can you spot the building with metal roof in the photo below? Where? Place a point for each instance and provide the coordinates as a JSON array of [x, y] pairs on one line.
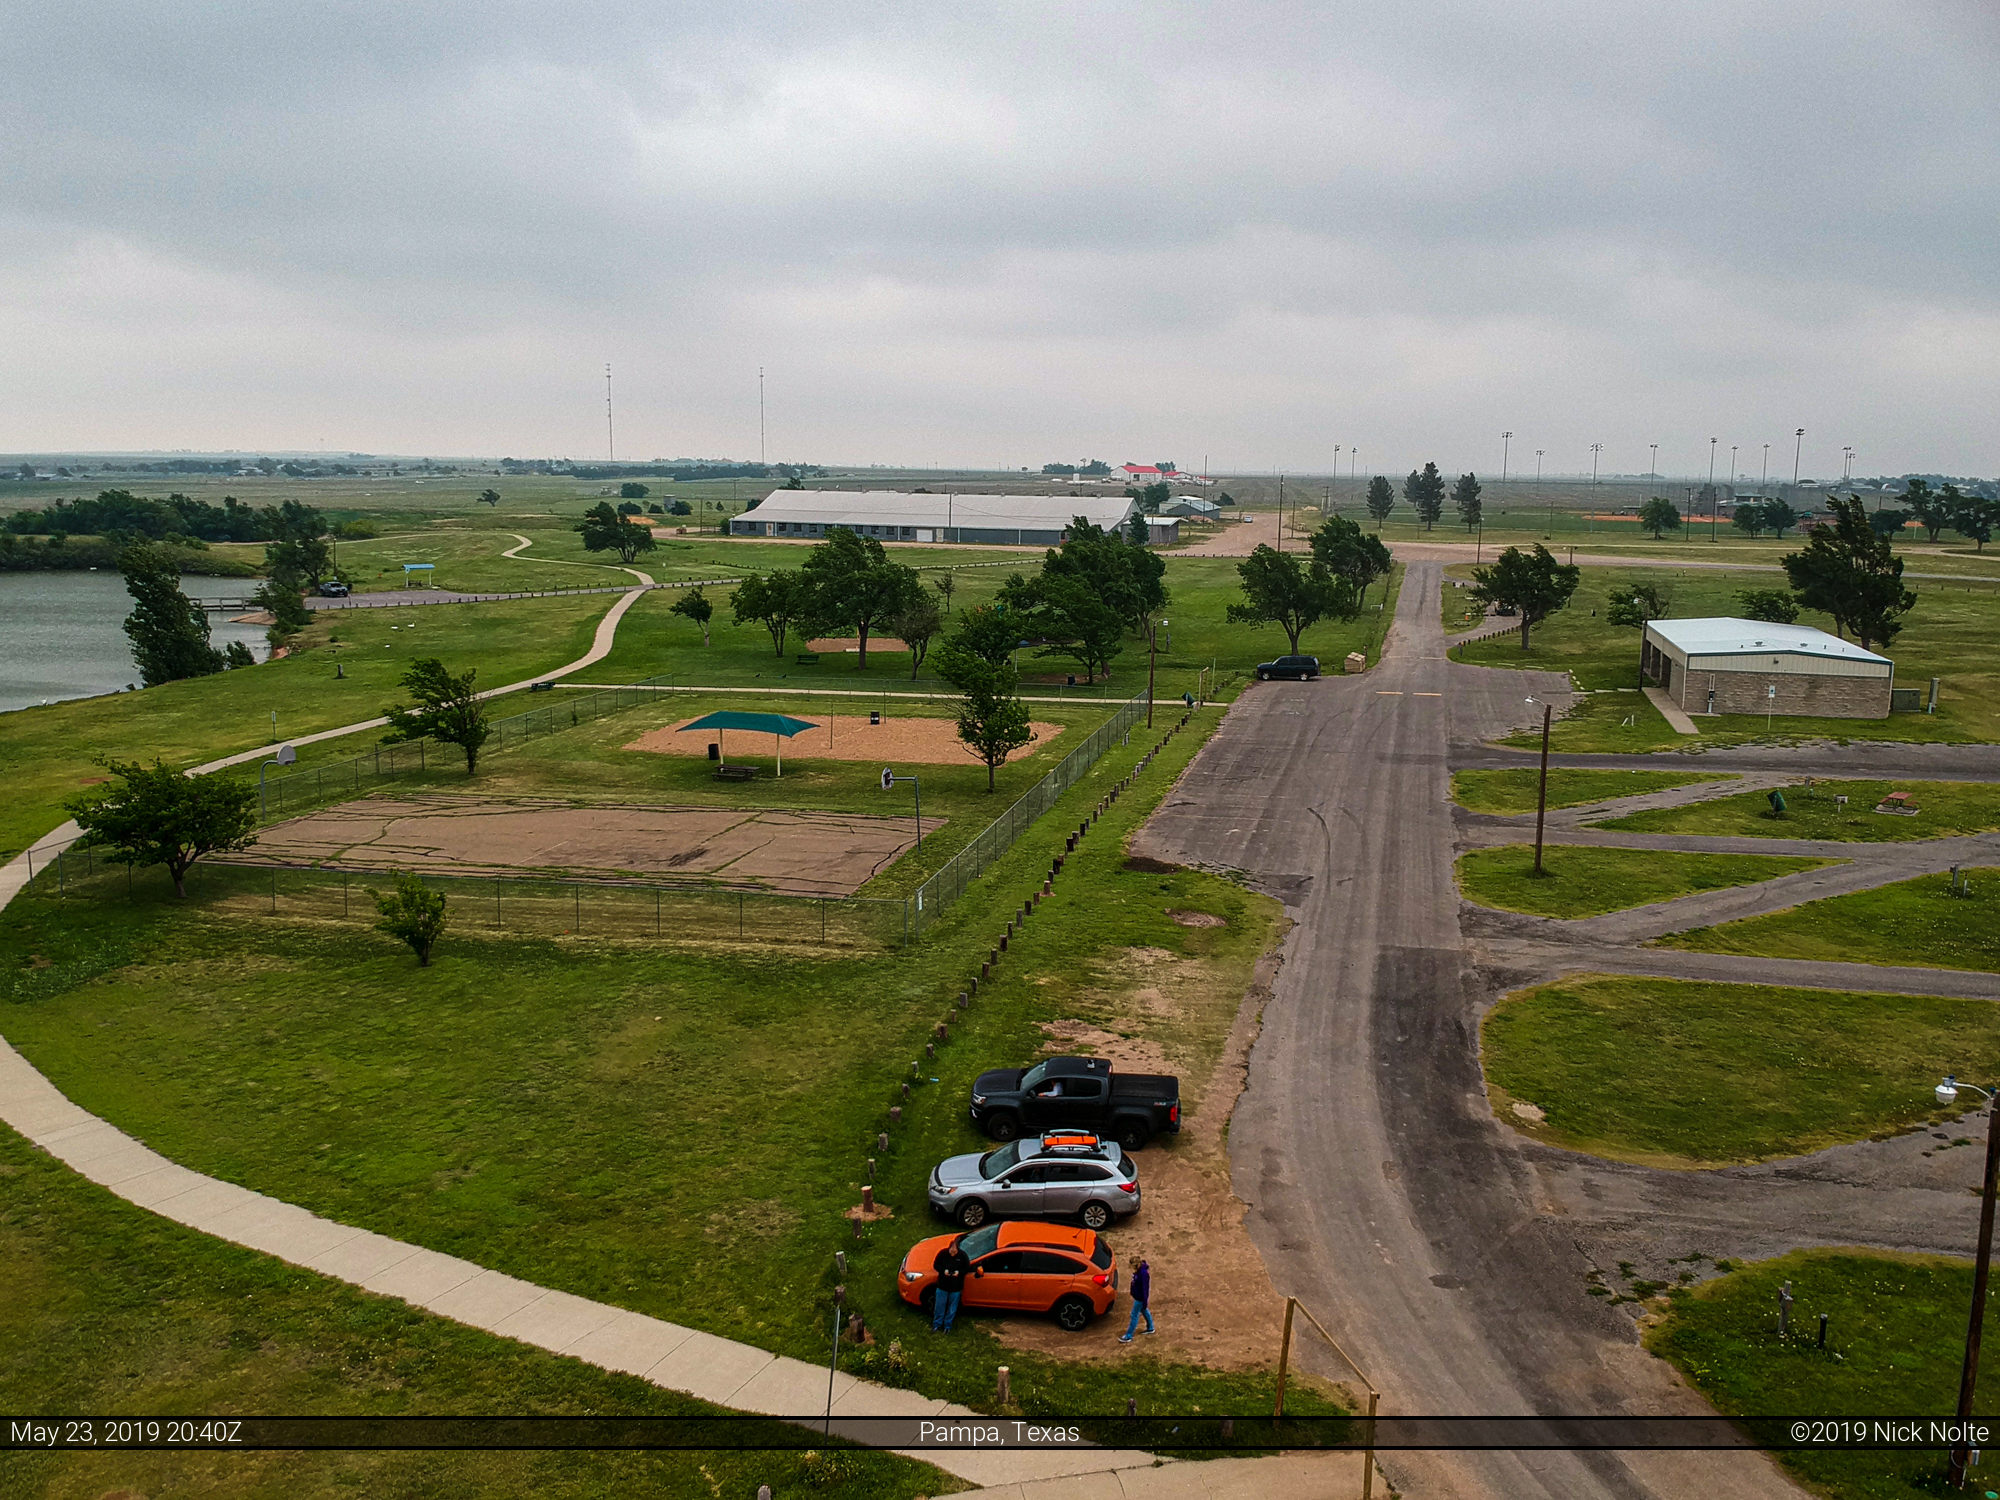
[[901, 516], [1728, 666]]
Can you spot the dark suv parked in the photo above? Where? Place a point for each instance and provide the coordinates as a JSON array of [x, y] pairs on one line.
[[1304, 668]]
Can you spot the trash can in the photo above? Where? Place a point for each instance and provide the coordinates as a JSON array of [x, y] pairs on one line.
[[874, 716], [714, 750]]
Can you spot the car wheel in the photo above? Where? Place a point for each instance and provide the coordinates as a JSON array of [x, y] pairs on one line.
[[928, 1301], [1095, 1215], [1003, 1127], [1263, 676], [1133, 1136], [971, 1213], [1074, 1313]]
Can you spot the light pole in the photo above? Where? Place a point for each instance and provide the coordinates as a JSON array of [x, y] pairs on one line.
[[1333, 482], [1595, 449], [1538, 485], [1656, 464], [1847, 464], [1764, 479], [1542, 792], [1798, 447], [1506, 442], [1713, 506], [1969, 1376]]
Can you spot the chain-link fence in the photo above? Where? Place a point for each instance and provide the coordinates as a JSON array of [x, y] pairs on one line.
[[929, 900]]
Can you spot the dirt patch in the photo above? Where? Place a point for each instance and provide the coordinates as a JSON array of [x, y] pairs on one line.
[[1197, 919], [1146, 865], [1213, 1301], [829, 645], [926, 742], [1147, 957], [800, 853]]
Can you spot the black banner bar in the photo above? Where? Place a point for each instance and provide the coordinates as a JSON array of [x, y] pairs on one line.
[[1205, 1433]]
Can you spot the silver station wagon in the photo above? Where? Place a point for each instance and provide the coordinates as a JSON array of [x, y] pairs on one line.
[[1066, 1174]]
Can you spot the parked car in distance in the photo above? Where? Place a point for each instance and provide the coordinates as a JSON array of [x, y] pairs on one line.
[[1064, 1174], [1304, 668], [1079, 1093], [333, 588], [1037, 1268]]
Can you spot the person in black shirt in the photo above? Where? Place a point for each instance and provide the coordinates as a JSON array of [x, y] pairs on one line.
[[951, 1266]]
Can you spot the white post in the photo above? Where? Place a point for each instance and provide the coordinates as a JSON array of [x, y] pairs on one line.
[[778, 741]]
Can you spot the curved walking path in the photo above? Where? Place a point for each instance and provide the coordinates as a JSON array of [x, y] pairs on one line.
[[698, 1364]]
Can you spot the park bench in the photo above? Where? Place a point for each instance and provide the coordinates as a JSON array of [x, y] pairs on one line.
[[735, 773], [809, 659]]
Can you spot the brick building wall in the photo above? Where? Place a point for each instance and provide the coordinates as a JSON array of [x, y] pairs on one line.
[[1798, 693]]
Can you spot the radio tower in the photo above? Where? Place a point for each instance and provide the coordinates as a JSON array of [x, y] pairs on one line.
[[610, 442]]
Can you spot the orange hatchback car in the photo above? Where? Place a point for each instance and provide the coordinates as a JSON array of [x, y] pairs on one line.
[[1021, 1266]]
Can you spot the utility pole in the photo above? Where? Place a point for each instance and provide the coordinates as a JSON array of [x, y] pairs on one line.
[[1281, 510], [1506, 442], [610, 442], [762, 460]]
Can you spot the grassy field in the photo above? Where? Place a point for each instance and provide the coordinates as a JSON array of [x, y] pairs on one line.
[[671, 1131], [1685, 1074], [1584, 881], [1510, 793], [1916, 922], [1945, 636], [1944, 808], [110, 1309], [1895, 1342], [48, 753]]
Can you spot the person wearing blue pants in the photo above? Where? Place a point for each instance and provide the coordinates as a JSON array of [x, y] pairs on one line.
[[951, 1265], [1142, 1293]]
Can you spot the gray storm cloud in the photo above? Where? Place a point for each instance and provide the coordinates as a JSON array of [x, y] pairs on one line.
[[1004, 234]]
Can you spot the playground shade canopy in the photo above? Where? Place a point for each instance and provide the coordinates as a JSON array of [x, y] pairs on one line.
[[783, 724]]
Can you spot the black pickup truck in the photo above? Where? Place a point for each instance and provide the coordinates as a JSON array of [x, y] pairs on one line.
[[1078, 1092]]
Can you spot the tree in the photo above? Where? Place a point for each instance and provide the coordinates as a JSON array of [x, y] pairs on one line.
[[604, 530], [992, 720], [775, 600], [1348, 552], [447, 710], [1972, 517], [236, 654], [168, 631], [680, 508], [946, 587], [1777, 606], [1067, 613], [1778, 517], [1749, 517], [916, 624], [280, 598], [1932, 510], [1281, 589], [694, 605], [1532, 584], [157, 816], [412, 913], [1638, 604], [1381, 499], [632, 490], [854, 586], [1424, 489], [1465, 499], [1659, 515], [489, 497], [300, 549], [989, 633], [1889, 523], [1136, 530], [1847, 571], [630, 508]]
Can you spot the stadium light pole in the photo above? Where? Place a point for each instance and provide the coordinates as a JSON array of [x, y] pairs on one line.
[[1538, 483], [1712, 506], [1506, 442], [1656, 464], [1969, 1374], [1798, 447], [1764, 479]]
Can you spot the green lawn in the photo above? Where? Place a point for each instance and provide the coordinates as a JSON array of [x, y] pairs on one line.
[[112, 1310], [1680, 1073], [47, 753], [670, 1130], [1509, 793], [1585, 881], [1911, 922], [1944, 808], [1945, 636], [1895, 1344]]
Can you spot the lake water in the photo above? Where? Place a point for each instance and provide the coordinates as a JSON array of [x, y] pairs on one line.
[[61, 634]]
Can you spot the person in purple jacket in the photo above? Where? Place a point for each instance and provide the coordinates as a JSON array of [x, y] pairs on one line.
[[1142, 1295]]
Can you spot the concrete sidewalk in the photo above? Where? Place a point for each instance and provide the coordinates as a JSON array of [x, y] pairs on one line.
[[1290, 1476]]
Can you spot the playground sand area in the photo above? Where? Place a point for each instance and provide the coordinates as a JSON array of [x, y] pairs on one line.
[[795, 853], [893, 742]]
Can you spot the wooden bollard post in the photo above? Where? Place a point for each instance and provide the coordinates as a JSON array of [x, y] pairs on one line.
[[895, 1114], [871, 1169], [906, 1089], [930, 1049], [857, 1227], [1003, 944], [840, 1261], [1228, 1428], [963, 1000], [1131, 1406], [1003, 1394], [867, 1200], [763, 1492], [941, 1034], [882, 1140], [984, 970]]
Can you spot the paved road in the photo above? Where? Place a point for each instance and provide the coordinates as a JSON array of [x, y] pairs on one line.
[[1381, 1189]]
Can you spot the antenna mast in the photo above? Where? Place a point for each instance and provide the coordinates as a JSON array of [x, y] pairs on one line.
[[610, 443]]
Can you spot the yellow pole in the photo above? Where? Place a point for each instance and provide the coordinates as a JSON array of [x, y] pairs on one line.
[[1285, 1355], [778, 744]]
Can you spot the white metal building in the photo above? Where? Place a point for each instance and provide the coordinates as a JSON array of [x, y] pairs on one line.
[[1729, 666], [899, 516]]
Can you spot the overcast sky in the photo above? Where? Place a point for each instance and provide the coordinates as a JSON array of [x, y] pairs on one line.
[[1007, 234]]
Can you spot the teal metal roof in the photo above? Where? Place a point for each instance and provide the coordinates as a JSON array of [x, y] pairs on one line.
[[730, 718]]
